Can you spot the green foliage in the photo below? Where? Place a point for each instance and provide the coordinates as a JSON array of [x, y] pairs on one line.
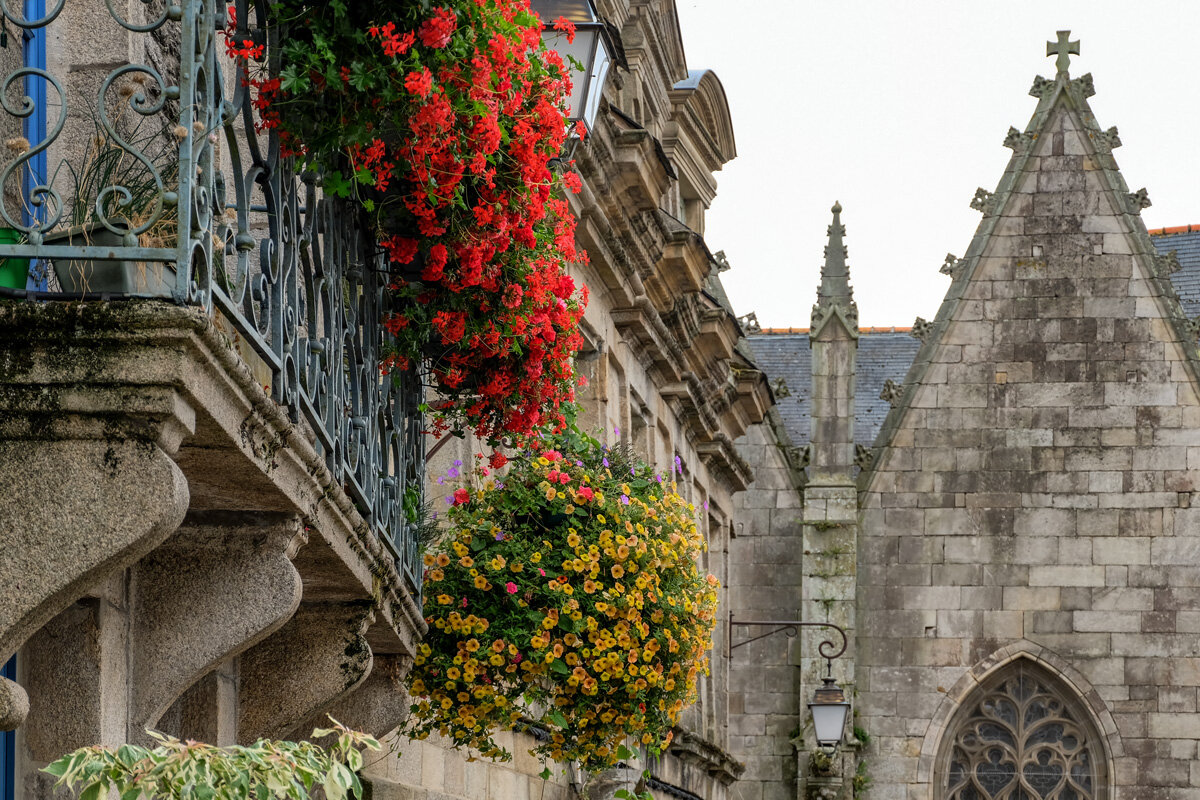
[[861, 780], [862, 735], [821, 763], [177, 770]]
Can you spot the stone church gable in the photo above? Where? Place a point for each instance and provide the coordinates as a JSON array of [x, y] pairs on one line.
[[1034, 481]]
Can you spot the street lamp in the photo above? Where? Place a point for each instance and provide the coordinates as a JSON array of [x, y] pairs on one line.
[[829, 709], [591, 50], [829, 706]]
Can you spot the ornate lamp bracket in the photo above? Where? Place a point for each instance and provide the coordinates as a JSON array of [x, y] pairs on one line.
[[828, 649]]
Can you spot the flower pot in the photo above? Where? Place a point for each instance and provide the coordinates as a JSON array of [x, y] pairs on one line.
[[14, 272], [108, 275]]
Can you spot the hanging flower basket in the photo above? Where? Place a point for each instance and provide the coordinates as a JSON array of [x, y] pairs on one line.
[[566, 594], [441, 121]]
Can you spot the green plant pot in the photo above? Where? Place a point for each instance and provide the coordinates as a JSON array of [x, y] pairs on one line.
[[14, 272], [112, 276]]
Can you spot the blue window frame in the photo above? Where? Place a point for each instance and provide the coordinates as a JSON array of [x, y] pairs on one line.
[[7, 743]]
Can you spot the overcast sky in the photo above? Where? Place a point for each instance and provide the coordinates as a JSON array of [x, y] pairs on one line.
[[898, 110]]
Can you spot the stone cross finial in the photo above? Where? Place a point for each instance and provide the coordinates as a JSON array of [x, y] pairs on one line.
[[1064, 49]]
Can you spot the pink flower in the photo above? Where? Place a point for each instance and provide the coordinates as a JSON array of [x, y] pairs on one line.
[[461, 497], [541, 572], [510, 587], [586, 493]]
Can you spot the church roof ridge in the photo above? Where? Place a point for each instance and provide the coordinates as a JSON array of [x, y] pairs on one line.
[[1195, 228], [867, 330]]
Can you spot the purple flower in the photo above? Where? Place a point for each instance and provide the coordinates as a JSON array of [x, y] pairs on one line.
[[604, 461], [706, 505], [449, 499], [624, 499], [632, 472], [441, 481], [458, 462], [658, 478], [579, 463], [616, 431], [452, 472], [500, 536]]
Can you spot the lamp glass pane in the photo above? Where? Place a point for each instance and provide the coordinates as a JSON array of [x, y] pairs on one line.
[[829, 721], [574, 10], [581, 51], [600, 65]]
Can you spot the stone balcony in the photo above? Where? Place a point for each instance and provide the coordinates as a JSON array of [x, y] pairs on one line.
[[203, 476]]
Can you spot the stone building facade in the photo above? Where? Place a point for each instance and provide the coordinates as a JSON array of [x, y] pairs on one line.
[[664, 374], [187, 538], [1013, 540]]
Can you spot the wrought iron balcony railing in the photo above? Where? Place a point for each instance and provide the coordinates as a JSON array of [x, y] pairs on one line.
[[165, 188]]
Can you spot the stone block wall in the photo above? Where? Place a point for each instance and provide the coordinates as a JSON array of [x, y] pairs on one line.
[[1033, 500], [765, 577]]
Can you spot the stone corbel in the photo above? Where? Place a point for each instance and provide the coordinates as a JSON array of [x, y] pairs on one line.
[[89, 488], [303, 669], [376, 706], [211, 591]]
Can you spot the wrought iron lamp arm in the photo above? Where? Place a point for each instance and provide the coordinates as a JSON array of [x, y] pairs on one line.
[[790, 628]]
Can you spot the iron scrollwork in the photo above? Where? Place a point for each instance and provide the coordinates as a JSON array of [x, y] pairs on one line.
[[297, 274]]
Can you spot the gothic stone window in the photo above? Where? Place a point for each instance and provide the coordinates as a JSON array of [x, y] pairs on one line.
[[1021, 736]]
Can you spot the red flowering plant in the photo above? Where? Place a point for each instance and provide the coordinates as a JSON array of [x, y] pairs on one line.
[[441, 121], [566, 593]]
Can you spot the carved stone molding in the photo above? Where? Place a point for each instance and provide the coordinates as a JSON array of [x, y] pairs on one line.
[[891, 392]]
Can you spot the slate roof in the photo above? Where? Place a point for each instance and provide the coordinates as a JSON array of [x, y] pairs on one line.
[[882, 353], [885, 353], [1185, 241]]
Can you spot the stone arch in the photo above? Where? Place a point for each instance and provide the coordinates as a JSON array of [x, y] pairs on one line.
[[1073, 685]]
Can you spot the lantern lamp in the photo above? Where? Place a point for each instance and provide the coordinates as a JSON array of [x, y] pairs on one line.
[[829, 709], [587, 58]]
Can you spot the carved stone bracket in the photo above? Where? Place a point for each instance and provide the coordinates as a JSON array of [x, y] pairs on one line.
[[1040, 87], [1017, 141], [302, 669], [1109, 139], [1167, 263], [1192, 326], [749, 323], [780, 388], [921, 328], [1138, 200], [891, 392], [863, 456], [982, 201], [952, 262], [800, 456], [1085, 85], [209, 592]]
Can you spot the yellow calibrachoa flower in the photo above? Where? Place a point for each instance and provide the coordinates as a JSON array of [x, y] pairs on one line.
[[527, 562]]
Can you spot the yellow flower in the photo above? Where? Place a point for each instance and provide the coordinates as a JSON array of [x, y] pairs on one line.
[[573, 539], [551, 493], [444, 599], [617, 570], [472, 645]]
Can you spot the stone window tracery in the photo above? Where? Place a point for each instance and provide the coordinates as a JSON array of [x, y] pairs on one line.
[[1021, 737]]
